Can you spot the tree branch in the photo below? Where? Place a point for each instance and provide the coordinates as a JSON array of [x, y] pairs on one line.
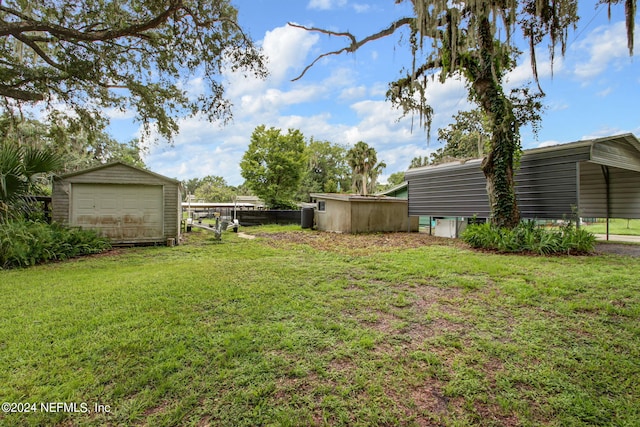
[[39, 51], [28, 24], [355, 44], [20, 95]]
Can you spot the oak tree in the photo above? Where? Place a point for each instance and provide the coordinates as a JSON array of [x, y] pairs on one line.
[[475, 39], [137, 55], [273, 165], [327, 170]]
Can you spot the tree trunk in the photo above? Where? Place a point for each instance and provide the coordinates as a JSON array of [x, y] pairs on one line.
[[498, 165], [364, 183]]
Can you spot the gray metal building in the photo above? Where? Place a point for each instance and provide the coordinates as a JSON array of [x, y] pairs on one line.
[[597, 178]]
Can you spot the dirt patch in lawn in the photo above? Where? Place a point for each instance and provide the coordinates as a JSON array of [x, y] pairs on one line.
[[355, 244]]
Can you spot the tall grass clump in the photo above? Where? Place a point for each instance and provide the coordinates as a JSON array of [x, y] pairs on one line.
[[529, 237], [25, 243]]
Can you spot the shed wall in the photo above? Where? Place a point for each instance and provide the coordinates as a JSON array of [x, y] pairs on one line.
[[368, 217], [336, 216]]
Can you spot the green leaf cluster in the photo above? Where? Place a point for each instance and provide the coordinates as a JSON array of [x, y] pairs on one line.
[[22, 170], [528, 237], [136, 55], [274, 164], [26, 243], [76, 147], [327, 169], [214, 189], [365, 168]]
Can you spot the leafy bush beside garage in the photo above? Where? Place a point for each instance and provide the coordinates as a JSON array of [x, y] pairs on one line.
[[528, 237], [25, 243]]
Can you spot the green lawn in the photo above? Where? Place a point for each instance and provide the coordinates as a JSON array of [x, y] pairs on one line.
[[304, 328], [616, 226]]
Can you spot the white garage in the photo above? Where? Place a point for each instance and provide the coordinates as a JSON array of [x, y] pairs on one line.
[[122, 202]]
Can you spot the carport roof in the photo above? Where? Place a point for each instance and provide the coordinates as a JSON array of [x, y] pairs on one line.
[[620, 151]]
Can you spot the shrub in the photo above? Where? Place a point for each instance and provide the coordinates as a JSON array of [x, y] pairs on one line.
[[25, 243], [528, 237]]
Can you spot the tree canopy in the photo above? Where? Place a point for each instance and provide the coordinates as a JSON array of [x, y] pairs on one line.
[[273, 165], [137, 55], [475, 39], [365, 168], [327, 169], [214, 189], [71, 144], [465, 138]]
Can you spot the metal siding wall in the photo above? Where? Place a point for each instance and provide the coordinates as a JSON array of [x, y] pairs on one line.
[[60, 201], [546, 185], [546, 190], [593, 191], [625, 193], [172, 210], [448, 191]]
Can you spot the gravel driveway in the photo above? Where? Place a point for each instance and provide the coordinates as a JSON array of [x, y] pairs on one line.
[[618, 249]]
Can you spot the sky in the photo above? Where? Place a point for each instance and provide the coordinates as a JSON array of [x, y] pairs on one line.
[[592, 91]]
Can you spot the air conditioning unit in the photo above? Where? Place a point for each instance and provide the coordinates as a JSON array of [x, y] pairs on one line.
[[450, 227]]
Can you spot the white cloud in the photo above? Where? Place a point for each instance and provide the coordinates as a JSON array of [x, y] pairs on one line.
[[605, 92], [325, 4], [523, 72], [286, 49], [557, 106], [399, 158], [604, 131], [361, 7], [353, 92], [116, 114], [606, 47], [548, 143], [193, 88]]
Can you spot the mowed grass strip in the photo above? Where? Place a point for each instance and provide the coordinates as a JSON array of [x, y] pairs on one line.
[[616, 226], [306, 328]]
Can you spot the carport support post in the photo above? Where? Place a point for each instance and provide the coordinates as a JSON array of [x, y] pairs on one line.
[[605, 173], [577, 196]]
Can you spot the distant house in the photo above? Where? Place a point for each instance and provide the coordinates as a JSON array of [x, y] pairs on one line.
[[351, 213], [400, 191], [129, 205], [598, 178]]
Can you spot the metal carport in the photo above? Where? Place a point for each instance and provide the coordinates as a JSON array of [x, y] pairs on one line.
[[594, 178]]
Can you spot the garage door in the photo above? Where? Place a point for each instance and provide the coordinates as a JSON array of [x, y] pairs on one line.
[[121, 212]]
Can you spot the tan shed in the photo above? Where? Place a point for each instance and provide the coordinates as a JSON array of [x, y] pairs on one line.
[[351, 213], [129, 205]]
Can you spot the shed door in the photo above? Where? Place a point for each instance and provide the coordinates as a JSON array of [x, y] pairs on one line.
[[122, 212]]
